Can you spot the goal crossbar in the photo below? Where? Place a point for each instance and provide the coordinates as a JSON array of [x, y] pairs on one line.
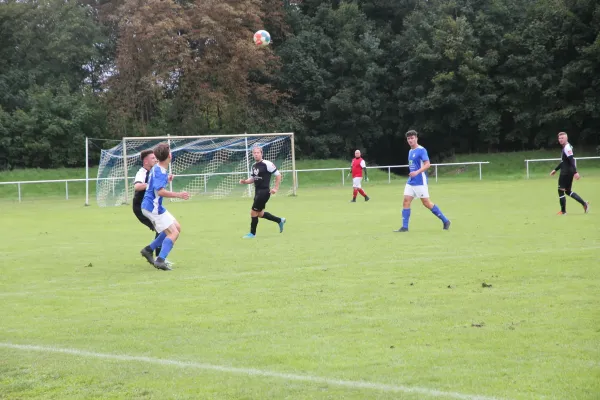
[[170, 137]]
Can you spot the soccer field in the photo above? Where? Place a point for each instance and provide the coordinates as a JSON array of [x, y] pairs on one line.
[[336, 307]]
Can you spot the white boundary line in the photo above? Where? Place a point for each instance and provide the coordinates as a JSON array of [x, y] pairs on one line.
[[382, 387]]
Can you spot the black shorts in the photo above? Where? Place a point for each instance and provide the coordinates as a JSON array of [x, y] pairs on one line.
[[261, 197], [138, 213], [565, 182]]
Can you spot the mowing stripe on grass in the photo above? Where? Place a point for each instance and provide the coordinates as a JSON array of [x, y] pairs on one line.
[[222, 275], [254, 372]]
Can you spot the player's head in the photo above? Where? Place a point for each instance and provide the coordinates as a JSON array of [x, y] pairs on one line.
[[412, 137], [257, 153], [162, 152], [357, 154], [148, 159], [563, 138]]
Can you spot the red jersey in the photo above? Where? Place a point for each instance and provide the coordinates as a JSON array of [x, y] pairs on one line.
[[357, 166]]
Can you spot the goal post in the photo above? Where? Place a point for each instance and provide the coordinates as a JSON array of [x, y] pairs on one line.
[[125, 172], [204, 166]]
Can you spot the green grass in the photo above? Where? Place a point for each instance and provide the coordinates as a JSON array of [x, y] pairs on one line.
[[338, 295]]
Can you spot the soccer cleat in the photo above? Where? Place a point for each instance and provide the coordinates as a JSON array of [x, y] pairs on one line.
[[248, 236], [353, 200], [367, 198], [447, 225], [161, 263], [586, 207], [403, 229], [147, 254], [561, 213], [281, 224]]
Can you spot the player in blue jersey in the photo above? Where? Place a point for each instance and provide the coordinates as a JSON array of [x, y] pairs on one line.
[[164, 223], [418, 164]]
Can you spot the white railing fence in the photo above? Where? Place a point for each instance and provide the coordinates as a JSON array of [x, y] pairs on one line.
[[554, 159], [389, 169], [343, 172]]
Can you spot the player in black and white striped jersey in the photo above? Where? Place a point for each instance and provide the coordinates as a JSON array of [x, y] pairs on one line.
[[261, 178], [568, 171]]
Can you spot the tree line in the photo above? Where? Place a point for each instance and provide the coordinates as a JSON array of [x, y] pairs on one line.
[[469, 75]]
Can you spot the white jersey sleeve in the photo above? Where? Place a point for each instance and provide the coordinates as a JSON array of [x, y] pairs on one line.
[[363, 164], [568, 150], [140, 176], [271, 168]]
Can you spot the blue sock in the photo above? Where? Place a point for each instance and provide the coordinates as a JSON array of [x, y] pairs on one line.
[[405, 217], [158, 241], [166, 248], [438, 213]]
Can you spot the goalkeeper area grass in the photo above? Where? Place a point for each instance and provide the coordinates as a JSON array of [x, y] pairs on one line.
[[502, 306]]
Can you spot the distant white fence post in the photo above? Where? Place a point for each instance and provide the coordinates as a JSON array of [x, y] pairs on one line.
[[87, 172]]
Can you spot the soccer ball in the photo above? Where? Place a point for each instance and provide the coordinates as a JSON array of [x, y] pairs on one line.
[[262, 38]]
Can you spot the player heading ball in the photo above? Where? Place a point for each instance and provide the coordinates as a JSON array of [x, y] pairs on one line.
[[261, 177]]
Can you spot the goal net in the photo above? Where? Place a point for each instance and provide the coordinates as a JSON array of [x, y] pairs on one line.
[[208, 166]]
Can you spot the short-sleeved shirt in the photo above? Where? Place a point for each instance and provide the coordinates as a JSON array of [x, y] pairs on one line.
[[357, 165], [140, 177], [261, 172], [565, 167], [416, 159], [157, 179]]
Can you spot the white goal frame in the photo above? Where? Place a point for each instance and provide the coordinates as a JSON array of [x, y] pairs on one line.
[[170, 138]]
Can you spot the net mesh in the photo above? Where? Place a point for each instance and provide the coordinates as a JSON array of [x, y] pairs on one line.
[[203, 166]]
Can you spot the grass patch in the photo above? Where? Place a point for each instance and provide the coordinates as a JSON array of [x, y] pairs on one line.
[[338, 295]]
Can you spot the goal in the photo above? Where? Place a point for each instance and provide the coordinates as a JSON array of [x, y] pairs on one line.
[[206, 166]]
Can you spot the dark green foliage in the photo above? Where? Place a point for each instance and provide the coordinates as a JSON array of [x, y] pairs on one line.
[[332, 66], [48, 51], [470, 75]]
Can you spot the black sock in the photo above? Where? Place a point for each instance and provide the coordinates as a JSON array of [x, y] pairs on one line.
[[271, 217], [563, 200], [253, 225], [158, 248], [576, 197]]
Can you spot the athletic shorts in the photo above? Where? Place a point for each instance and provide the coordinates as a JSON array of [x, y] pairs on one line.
[[565, 182], [160, 221], [261, 197], [420, 191], [142, 218], [356, 182]]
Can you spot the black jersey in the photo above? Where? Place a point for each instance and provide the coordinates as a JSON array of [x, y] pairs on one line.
[[567, 164], [140, 177], [261, 173]]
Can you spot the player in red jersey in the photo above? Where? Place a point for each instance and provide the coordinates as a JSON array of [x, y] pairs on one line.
[[357, 167]]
